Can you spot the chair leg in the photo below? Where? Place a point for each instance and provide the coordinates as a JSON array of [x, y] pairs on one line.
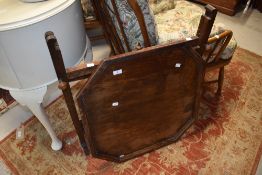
[[65, 87], [60, 69], [220, 81]]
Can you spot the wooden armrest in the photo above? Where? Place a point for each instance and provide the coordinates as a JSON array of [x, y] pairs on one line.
[[226, 33], [219, 42], [216, 38]]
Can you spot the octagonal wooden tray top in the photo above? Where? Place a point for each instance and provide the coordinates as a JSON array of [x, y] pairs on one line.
[[138, 102]]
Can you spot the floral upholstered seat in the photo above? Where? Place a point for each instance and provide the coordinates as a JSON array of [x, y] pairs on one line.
[[159, 6], [182, 22], [173, 20]]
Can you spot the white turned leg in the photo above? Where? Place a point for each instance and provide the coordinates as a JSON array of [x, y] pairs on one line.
[[33, 100]]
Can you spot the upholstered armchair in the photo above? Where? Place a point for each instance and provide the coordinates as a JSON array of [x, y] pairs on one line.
[[164, 21]]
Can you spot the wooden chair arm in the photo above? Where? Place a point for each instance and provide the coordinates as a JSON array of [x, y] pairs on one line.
[[215, 39], [220, 42], [221, 35]]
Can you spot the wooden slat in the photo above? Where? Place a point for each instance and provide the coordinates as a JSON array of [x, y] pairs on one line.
[[80, 71], [92, 23], [141, 20], [97, 37]]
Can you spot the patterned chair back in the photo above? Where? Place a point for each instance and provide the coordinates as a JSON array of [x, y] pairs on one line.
[[128, 24]]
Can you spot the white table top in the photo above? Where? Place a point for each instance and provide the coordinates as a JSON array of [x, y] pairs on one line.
[[15, 13]]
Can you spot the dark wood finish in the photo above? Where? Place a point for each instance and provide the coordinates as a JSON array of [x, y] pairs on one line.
[[203, 32], [157, 101], [258, 5], [65, 87], [110, 34], [228, 7], [97, 37], [147, 89], [80, 72], [213, 59], [109, 28], [120, 24], [140, 17], [92, 23], [205, 26]]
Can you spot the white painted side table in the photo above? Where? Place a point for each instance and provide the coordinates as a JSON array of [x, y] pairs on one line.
[[26, 68]]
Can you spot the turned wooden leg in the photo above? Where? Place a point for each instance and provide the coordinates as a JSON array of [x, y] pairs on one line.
[[220, 81]]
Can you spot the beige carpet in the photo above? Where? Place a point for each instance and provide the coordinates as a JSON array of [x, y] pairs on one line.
[[226, 140]]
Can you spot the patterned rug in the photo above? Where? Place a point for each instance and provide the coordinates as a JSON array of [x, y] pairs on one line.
[[226, 140]]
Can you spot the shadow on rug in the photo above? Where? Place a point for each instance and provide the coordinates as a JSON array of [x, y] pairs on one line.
[[226, 140]]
